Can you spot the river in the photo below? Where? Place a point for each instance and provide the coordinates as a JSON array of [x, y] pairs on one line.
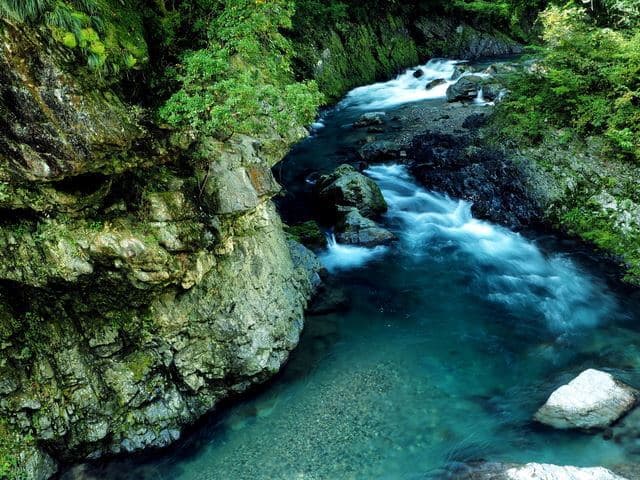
[[453, 337]]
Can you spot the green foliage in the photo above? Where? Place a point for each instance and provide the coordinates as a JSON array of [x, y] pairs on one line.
[[588, 80], [23, 10], [107, 34], [591, 223], [242, 82], [10, 445]]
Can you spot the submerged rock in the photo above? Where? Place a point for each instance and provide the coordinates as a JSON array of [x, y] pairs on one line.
[[329, 299], [594, 399], [531, 471], [354, 229], [435, 83], [381, 150], [347, 187], [370, 119]]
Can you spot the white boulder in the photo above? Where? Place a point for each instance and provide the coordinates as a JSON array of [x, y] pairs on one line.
[[541, 471], [594, 399], [532, 471]]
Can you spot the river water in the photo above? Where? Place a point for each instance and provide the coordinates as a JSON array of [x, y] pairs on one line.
[[454, 336]]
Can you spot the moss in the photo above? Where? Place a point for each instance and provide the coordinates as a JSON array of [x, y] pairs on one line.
[[11, 443], [592, 224], [140, 363], [307, 233], [356, 54]]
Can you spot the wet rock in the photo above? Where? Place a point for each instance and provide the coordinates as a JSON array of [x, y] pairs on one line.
[[460, 40], [381, 150], [594, 399], [496, 187], [330, 299], [461, 69], [466, 88], [369, 119], [501, 68], [419, 73], [494, 91], [349, 188], [530, 471], [306, 261], [435, 83], [475, 121], [355, 229]]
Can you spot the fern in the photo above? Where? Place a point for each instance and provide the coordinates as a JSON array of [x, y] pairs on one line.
[[88, 6], [97, 23], [64, 18], [23, 10]]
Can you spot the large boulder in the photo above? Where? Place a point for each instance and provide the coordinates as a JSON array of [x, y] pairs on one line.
[[354, 229], [594, 399], [531, 471], [347, 187], [466, 88]]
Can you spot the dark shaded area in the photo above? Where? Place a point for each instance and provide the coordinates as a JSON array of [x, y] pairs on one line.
[[453, 165]]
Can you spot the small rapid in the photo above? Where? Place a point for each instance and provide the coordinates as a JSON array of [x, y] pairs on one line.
[[344, 257], [406, 88], [512, 270]]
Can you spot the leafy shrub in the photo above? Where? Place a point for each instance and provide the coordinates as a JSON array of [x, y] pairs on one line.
[[588, 80], [242, 82]]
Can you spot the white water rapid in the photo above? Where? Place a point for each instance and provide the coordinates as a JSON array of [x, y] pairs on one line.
[[405, 88], [505, 266]]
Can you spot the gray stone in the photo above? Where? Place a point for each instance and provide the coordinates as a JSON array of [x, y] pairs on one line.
[[381, 150], [354, 229], [370, 119], [347, 187], [466, 88], [594, 399], [530, 471]]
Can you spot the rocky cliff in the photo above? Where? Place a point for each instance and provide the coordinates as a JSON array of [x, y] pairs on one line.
[[143, 277]]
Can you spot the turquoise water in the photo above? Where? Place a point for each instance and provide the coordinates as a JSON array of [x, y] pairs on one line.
[[452, 339]]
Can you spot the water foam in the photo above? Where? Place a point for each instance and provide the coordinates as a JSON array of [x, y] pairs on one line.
[[339, 256], [405, 88], [511, 270]]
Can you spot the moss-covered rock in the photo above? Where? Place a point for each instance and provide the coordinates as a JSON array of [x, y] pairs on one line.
[[587, 194], [143, 277]]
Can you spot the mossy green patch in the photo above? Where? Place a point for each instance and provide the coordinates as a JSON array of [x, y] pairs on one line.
[[11, 444], [307, 233]]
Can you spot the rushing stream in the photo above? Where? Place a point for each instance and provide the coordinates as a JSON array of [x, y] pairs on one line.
[[454, 336]]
